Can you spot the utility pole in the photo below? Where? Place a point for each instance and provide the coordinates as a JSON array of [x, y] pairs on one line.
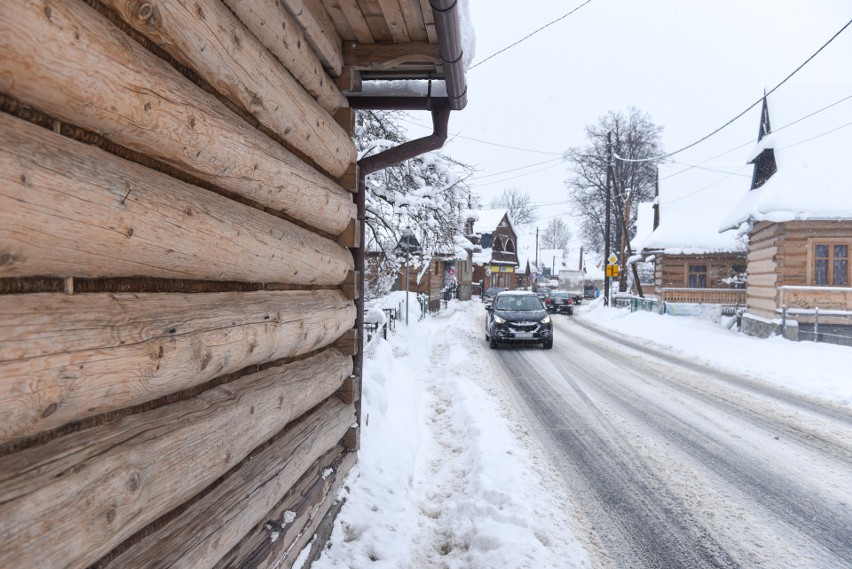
[[609, 175], [537, 268]]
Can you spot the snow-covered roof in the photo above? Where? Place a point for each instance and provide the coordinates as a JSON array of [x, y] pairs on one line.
[[692, 201], [811, 136], [489, 219], [644, 224]]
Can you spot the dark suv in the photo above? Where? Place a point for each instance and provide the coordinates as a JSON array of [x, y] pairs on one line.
[[518, 316]]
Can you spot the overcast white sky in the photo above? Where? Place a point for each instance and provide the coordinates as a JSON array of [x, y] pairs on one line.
[[692, 65]]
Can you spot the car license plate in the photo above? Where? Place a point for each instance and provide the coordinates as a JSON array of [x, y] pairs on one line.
[[523, 335]]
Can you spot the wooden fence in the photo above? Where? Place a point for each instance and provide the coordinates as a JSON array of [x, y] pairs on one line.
[[177, 293], [726, 296]]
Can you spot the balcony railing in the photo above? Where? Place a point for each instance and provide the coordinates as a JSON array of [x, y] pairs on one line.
[[803, 302], [725, 296]]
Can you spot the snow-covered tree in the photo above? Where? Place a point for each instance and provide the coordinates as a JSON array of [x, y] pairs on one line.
[[556, 235], [426, 194], [634, 137], [519, 205]]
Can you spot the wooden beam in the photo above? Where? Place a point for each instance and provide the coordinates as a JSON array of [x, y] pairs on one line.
[[206, 531], [346, 119], [350, 391], [65, 358], [352, 236], [319, 30], [349, 180], [115, 479], [279, 32], [413, 16], [348, 342], [68, 208], [355, 19], [429, 21], [395, 19], [349, 80], [92, 75], [388, 56], [350, 287]]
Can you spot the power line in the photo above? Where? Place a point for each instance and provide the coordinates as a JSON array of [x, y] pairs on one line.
[[750, 107], [779, 129], [515, 169], [455, 135], [516, 177], [562, 17]]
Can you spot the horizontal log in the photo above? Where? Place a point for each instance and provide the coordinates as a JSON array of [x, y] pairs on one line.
[[279, 32], [64, 358], [320, 32], [70, 501], [66, 60], [207, 37], [258, 538], [212, 526], [310, 521], [68, 208]]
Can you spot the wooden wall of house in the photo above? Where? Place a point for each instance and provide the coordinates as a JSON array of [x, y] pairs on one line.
[[762, 284], [672, 271], [780, 255], [177, 296]]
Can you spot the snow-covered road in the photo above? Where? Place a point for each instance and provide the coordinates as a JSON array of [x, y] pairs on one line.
[[641, 451], [677, 464]]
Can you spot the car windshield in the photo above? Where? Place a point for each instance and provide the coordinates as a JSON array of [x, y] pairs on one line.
[[517, 303], [560, 295]]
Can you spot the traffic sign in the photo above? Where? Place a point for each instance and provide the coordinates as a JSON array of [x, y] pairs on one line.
[[613, 260]]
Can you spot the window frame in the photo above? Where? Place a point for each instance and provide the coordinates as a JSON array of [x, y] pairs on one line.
[[815, 242], [690, 273]]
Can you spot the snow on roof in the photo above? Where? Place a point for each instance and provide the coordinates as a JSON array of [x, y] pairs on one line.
[[811, 138], [692, 202], [489, 219], [644, 224]]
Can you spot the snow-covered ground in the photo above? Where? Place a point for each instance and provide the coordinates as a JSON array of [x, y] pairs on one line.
[[448, 475]]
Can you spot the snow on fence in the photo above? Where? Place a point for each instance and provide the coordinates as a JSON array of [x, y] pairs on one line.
[[377, 322]]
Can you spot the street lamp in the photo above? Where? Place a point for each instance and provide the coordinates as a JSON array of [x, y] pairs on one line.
[[408, 244]]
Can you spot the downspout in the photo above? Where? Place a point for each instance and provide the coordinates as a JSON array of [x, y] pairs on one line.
[[366, 166], [445, 15]]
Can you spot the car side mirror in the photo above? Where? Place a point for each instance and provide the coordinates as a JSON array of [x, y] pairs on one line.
[[488, 308]]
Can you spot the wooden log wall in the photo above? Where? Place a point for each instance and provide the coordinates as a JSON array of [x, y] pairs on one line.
[[177, 285], [780, 254]]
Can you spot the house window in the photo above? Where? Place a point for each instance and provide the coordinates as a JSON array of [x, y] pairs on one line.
[[510, 247], [831, 264], [697, 276], [498, 244]]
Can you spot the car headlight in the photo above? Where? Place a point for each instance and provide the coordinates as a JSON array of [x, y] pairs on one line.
[[545, 320], [499, 320]]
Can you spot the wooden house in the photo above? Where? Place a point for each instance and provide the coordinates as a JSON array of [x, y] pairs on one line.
[[180, 267], [693, 261], [798, 214], [496, 263]]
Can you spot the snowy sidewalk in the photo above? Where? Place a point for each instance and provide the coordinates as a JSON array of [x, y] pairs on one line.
[[447, 476]]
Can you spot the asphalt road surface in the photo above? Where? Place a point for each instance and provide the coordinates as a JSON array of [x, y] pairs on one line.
[[678, 465]]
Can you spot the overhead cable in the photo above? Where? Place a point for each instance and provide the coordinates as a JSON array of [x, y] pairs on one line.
[[750, 107], [562, 17]]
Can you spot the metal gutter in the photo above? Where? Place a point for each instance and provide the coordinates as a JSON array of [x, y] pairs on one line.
[[445, 14]]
